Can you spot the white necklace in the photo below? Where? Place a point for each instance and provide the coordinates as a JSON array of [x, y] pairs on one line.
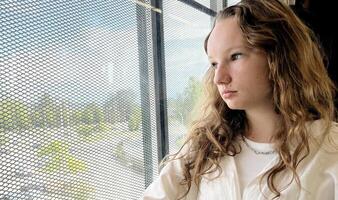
[[258, 152]]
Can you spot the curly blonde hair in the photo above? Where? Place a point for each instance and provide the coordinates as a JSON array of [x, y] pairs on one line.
[[302, 92]]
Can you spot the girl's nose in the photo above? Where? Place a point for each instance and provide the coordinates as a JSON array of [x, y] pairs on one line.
[[222, 76]]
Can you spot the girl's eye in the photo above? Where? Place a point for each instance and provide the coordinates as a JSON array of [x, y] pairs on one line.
[[213, 65], [236, 56]]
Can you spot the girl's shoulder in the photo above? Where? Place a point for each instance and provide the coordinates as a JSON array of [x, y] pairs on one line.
[[329, 139], [324, 134], [319, 128]]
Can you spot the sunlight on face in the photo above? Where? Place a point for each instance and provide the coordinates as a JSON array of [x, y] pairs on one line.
[[241, 73]]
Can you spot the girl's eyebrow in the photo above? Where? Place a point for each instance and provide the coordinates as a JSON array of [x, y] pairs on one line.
[[230, 49]]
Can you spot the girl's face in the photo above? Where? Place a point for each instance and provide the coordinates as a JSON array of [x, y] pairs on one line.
[[241, 73]]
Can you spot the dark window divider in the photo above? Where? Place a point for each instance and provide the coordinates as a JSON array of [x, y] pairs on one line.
[[160, 80], [225, 3], [144, 88]]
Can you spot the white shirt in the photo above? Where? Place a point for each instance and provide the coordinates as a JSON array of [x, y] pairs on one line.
[[318, 174], [250, 164]]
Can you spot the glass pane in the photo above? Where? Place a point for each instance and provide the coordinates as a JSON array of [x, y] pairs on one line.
[[232, 2], [71, 121], [184, 31]]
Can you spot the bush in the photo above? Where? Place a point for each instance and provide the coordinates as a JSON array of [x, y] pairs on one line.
[[134, 121]]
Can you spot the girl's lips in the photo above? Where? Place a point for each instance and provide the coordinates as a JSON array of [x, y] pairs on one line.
[[228, 93]]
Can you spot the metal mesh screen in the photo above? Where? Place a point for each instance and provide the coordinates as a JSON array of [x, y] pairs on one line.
[[71, 120]]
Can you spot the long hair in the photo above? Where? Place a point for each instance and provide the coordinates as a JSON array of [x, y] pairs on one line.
[[302, 92]]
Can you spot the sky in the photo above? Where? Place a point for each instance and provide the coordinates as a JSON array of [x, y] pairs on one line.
[[83, 51]]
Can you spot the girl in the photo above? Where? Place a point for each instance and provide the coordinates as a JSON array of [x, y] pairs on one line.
[[265, 130]]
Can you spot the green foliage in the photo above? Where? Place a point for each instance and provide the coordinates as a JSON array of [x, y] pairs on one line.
[[47, 113], [14, 115], [77, 116], [134, 121], [75, 165], [120, 105], [66, 114], [185, 102], [50, 113], [92, 132], [59, 156], [92, 114], [3, 137]]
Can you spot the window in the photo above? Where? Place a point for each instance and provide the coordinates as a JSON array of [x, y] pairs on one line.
[[232, 2], [185, 29], [78, 93]]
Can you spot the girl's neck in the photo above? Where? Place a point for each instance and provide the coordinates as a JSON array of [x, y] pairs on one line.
[[262, 126]]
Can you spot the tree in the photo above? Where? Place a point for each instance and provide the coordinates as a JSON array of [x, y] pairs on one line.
[[92, 132], [120, 106], [186, 101], [3, 137], [92, 114], [47, 113], [59, 154], [134, 121], [14, 114], [66, 114]]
